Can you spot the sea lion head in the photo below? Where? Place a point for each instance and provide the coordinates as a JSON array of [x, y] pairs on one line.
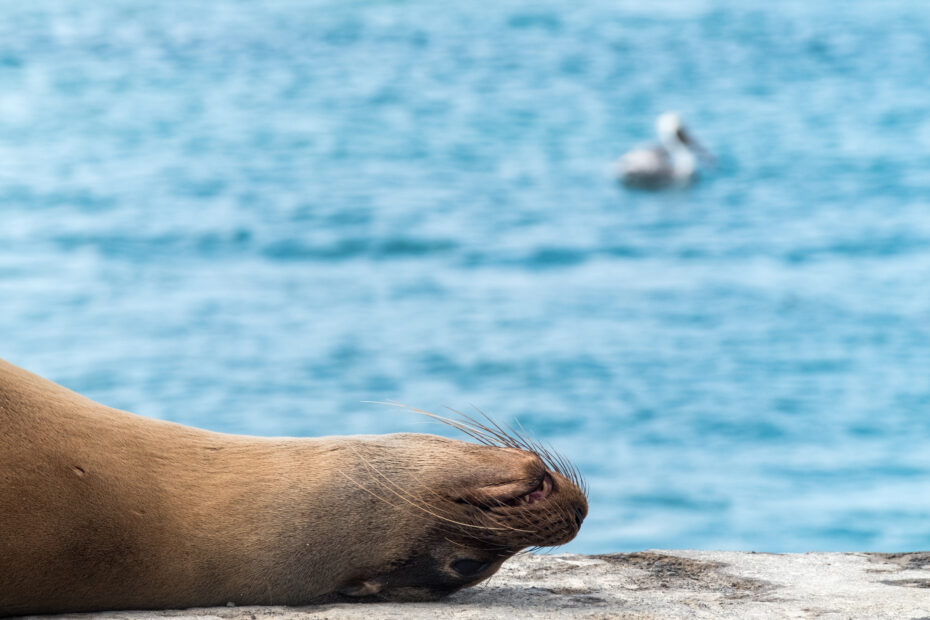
[[104, 510], [463, 508]]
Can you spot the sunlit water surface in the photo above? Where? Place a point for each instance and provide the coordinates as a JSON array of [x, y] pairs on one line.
[[254, 216]]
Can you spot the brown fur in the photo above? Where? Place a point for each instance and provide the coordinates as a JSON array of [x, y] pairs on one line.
[[103, 509]]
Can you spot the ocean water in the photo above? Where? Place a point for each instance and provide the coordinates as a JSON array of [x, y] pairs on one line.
[[255, 216]]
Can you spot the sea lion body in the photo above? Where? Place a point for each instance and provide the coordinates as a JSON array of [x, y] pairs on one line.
[[103, 509]]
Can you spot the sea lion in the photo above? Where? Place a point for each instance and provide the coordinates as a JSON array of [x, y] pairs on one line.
[[103, 509]]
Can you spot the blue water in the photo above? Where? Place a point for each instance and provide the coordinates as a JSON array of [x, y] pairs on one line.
[[253, 216]]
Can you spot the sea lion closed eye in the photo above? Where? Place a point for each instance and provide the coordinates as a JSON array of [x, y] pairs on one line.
[[102, 509]]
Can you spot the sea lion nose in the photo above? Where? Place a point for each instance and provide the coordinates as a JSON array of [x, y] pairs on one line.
[[579, 515]]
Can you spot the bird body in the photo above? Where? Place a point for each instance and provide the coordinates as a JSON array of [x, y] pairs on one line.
[[672, 162]]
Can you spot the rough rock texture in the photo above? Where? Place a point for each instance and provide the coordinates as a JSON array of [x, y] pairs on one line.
[[655, 585]]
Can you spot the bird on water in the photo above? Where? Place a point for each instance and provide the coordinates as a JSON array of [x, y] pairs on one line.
[[674, 162]]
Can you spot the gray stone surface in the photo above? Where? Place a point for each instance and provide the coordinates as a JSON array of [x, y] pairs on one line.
[[655, 585]]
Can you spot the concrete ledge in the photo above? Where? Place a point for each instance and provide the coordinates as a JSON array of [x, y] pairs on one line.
[[658, 585]]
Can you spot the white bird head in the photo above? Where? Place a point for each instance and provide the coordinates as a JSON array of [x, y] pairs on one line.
[[668, 127], [674, 136]]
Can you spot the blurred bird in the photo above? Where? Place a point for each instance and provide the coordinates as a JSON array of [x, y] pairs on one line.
[[673, 162]]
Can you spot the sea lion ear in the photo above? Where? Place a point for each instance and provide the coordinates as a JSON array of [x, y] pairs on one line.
[[361, 588]]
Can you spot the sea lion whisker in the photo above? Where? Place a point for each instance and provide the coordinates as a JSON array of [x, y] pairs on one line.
[[430, 508], [510, 437], [493, 429], [400, 493], [552, 457], [473, 430], [493, 434], [381, 484], [480, 435], [496, 519], [483, 515], [453, 542], [521, 438], [369, 491]]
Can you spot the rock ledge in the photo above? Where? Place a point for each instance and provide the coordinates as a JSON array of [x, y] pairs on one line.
[[653, 585]]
